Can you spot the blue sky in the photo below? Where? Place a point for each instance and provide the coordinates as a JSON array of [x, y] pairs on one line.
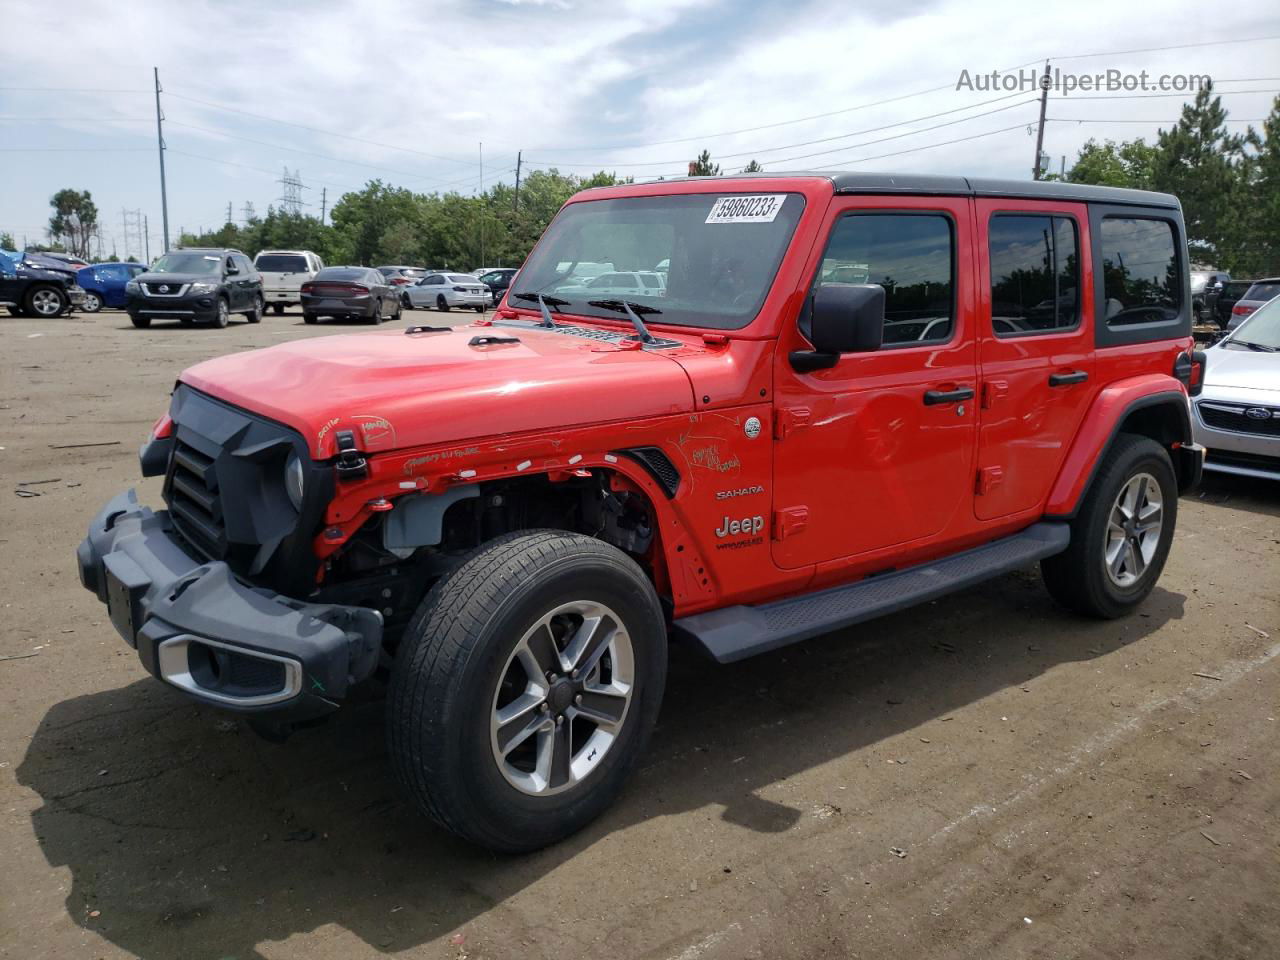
[[407, 91]]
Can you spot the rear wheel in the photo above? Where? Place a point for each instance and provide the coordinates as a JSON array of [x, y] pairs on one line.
[[479, 309], [92, 303], [376, 317], [259, 308], [1121, 536], [277, 309], [399, 311], [310, 318], [442, 304], [525, 688], [140, 322], [45, 302], [407, 301]]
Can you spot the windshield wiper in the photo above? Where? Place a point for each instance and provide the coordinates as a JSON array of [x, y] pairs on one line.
[[632, 310], [542, 305], [1261, 347]]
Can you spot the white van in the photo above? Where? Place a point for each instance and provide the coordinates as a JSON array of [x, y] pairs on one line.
[[283, 274]]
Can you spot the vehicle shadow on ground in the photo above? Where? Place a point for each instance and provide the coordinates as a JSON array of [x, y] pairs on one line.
[[1254, 494], [185, 835]]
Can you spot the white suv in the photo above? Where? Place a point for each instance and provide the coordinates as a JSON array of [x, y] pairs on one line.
[[283, 274]]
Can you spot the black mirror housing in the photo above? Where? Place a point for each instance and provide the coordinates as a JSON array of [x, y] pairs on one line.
[[844, 318]]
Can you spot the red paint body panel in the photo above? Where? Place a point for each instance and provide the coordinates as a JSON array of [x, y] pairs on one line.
[[398, 391]]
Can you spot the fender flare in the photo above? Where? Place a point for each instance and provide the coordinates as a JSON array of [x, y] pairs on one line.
[[1101, 425]]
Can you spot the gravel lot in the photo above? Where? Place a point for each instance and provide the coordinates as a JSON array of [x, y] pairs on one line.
[[985, 776]]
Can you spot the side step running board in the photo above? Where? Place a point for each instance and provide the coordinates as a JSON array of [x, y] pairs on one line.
[[735, 633]]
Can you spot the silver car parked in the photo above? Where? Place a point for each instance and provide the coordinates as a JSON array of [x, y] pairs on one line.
[[1237, 415]]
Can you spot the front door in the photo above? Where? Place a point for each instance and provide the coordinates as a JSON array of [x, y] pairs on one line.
[[1036, 348], [877, 450]]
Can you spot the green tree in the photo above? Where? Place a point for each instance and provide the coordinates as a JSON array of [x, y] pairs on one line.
[[753, 167], [6, 241], [74, 220], [703, 167], [1110, 164]]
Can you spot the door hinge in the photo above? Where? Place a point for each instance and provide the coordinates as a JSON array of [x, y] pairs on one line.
[[788, 420], [989, 478], [993, 390], [789, 521]]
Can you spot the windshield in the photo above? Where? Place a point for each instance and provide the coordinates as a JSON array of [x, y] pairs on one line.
[[460, 278], [1262, 291], [1262, 328], [188, 263], [716, 254], [280, 263]]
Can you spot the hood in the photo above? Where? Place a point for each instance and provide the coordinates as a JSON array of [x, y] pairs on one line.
[[398, 391], [1240, 369], [177, 278], [39, 271]]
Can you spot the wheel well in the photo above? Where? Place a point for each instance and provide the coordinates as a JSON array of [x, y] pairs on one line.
[[1165, 422]]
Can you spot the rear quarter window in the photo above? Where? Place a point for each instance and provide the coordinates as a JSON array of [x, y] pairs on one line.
[[1141, 276]]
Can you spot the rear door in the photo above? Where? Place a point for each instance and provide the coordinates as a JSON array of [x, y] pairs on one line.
[[1035, 348], [877, 451]]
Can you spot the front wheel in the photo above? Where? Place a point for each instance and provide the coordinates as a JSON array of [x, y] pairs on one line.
[[223, 316], [142, 323], [1121, 536], [46, 302], [526, 687], [92, 303]]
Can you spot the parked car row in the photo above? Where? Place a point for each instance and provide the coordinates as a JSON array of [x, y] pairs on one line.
[[36, 285]]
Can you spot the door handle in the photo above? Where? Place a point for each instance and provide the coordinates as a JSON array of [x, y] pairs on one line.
[[1066, 379], [934, 397]]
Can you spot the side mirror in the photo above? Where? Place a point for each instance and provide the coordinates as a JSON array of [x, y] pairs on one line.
[[844, 318], [232, 271]]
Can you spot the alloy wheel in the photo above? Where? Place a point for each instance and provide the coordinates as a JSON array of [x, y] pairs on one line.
[[562, 699], [1133, 530]]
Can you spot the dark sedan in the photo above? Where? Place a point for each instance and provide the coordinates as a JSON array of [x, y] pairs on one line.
[[350, 293], [498, 281]]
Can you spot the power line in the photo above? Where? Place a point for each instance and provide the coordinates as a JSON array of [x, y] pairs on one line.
[[1174, 120], [73, 149], [928, 146], [1180, 46], [1150, 96]]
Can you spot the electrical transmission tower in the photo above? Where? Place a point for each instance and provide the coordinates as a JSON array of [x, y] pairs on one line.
[[135, 239], [293, 186], [248, 212]]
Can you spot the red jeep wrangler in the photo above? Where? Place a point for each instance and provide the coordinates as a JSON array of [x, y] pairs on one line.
[[839, 396]]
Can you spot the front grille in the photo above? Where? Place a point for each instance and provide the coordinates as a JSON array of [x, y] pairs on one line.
[[1235, 417], [195, 502], [170, 289]]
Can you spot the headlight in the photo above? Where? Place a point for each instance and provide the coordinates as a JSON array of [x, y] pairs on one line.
[[293, 481], [132, 287], [203, 288]]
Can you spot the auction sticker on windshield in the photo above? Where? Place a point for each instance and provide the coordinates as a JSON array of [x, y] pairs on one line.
[[740, 209]]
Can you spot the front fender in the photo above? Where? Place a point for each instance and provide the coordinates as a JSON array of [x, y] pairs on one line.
[[1115, 405]]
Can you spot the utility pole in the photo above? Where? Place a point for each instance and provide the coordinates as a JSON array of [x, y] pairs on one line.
[[481, 206], [1044, 102], [324, 198], [228, 211], [164, 196], [519, 159], [146, 238]]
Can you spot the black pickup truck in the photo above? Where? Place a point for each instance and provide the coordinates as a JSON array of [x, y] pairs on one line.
[[36, 287]]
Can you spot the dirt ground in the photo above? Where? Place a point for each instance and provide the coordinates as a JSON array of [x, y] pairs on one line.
[[985, 776]]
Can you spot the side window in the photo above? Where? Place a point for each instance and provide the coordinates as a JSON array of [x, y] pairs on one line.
[[1141, 282], [230, 264], [245, 265], [435, 278], [912, 256], [1035, 274]]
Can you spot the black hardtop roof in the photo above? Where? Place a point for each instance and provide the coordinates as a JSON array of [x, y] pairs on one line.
[[204, 250], [951, 186]]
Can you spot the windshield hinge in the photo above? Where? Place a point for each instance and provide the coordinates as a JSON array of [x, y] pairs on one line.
[[351, 464]]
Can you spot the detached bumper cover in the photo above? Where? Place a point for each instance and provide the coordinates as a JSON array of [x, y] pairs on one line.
[[199, 628]]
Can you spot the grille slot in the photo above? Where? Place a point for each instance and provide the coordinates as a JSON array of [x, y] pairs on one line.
[[194, 500], [1223, 416], [659, 466]]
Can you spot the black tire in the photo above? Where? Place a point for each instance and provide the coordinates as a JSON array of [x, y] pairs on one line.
[[479, 309], [1078, 578], [140, 322], [376, 317], [92, 302], [223, 316], [277, 309], [442, 304], [457, 651], [255, 315], [399, 311], [45, 302], [407, 301], [15, 311], [310, 318]]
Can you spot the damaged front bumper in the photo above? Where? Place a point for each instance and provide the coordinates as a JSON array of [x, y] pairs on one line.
[[199, 628]]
